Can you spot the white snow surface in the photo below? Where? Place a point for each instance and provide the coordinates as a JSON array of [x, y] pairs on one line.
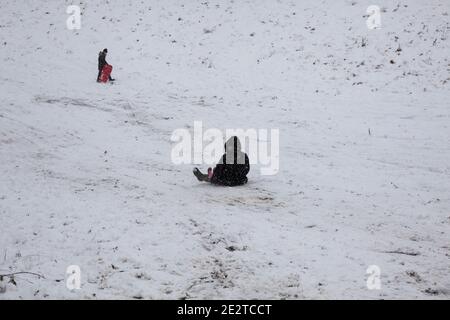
[[86, 176]]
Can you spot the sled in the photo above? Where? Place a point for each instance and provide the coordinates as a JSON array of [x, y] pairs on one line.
[[106, 72]]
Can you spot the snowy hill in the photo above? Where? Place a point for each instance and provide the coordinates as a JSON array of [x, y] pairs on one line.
[[87, 178]]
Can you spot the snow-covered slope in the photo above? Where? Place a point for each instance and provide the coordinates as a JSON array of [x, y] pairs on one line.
[[87, 178]]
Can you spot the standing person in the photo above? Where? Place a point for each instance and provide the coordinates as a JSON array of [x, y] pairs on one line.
[[101, 63], [232, 168]]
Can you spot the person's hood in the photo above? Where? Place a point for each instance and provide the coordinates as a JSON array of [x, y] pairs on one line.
[[233, 151], [233, 144]]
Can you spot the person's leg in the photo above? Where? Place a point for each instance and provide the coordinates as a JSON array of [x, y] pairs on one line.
[[99, 74], [200, 176]]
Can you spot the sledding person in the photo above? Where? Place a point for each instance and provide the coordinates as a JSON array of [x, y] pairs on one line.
[[232, 168], [101, 63]]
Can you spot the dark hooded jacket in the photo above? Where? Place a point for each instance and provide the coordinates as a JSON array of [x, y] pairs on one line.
[[233, 167], [101, 60]]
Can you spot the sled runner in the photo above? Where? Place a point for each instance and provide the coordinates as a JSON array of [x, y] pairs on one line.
[[106, 72]]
